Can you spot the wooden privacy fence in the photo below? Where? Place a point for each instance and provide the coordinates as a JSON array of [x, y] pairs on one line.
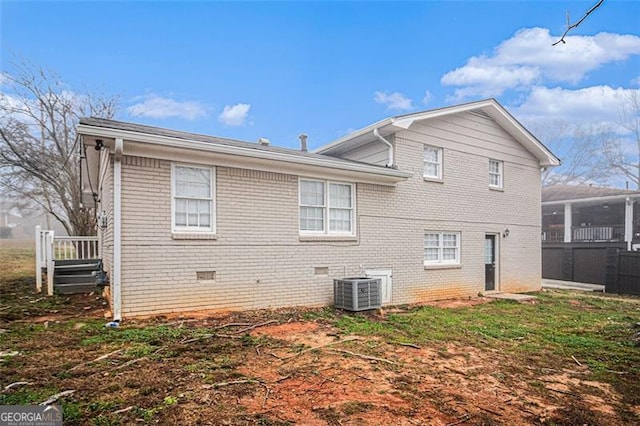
[[50, 248], [627, 273], [607, 264]]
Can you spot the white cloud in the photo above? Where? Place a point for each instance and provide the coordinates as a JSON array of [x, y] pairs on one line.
[[529, 58], [234, 115], [394, 101], [427, 97], [488, 81], [593, 106], [155, 106], [635, 81]]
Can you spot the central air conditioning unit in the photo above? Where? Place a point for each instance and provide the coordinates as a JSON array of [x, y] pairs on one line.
[[357, 294]]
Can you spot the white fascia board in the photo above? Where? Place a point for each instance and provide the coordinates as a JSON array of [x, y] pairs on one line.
[[386, 174], [593, 199]]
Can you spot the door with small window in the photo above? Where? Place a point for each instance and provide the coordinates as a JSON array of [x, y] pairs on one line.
[[489, 262]]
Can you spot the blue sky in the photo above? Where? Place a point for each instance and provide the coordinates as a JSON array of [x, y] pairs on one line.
[[276, 69]]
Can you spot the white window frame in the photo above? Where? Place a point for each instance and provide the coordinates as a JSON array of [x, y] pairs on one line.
[[326, 208], [500, 173], [440, 247], [438, 163], [212, 200]]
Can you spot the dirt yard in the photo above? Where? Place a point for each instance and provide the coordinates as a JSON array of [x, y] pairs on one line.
[[445, 364]]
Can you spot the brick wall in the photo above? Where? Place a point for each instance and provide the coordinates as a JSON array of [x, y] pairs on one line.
[[260, 261]]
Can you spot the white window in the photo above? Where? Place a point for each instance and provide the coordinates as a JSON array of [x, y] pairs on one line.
[[432, 162], [441, 248], [495, 173], [193, 192], [326, 207]]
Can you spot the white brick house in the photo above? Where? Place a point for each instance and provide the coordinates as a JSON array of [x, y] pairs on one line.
[[439, 204]]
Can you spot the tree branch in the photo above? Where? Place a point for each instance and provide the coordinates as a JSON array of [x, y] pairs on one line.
[[572, 26]]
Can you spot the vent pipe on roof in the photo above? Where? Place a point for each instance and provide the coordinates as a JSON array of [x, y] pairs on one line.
[[303, 142], [263, 141], [391, 162]]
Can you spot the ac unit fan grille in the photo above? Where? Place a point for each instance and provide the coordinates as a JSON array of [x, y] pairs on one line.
[[357, 294]]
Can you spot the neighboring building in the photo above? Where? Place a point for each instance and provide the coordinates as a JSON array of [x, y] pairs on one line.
[[10, 219], [438, 204], [579, 224], [23, 220]]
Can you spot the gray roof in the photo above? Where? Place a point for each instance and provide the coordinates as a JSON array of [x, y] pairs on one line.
[[577, 192], [159, 131]]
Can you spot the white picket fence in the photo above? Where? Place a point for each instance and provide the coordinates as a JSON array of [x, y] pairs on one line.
[[50, 248]]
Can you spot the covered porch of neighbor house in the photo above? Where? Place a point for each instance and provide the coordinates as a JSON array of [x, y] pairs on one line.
[[615, 220]]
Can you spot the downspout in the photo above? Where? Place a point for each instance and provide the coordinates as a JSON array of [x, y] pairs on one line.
[[116, 295], [391, 163]]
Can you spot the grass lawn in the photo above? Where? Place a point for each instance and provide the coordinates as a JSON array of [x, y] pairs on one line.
[[566, 358]]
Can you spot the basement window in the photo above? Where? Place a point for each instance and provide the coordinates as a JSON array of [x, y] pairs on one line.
[[441, 248]]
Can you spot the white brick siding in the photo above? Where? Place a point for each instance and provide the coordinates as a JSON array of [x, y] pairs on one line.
[[260, 260]]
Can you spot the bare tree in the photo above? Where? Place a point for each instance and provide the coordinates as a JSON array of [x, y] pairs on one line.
[[622, 153], [39, 151], [579, 148]]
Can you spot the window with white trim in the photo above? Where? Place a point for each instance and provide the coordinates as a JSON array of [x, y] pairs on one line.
[[326, 207], [441, 248], [432, 159], [193, 196], [495, 173]]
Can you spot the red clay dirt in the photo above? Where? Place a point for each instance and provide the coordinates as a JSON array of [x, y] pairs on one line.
[[277, 378]]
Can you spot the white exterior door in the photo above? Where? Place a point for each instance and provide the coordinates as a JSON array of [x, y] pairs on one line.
[[386, 280]]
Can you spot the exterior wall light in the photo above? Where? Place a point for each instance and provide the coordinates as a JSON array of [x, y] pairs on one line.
[[506, 233]]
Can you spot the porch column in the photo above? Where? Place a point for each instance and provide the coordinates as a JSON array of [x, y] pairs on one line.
[[628, 222], [567, 223]]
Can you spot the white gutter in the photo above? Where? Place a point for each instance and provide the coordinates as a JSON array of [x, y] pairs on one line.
[[361, 132], [236, 150], [391, 163], [116, 294]]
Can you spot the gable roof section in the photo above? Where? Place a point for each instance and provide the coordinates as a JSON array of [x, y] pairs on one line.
[[490, 107], [563, 193], [99, 127]]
